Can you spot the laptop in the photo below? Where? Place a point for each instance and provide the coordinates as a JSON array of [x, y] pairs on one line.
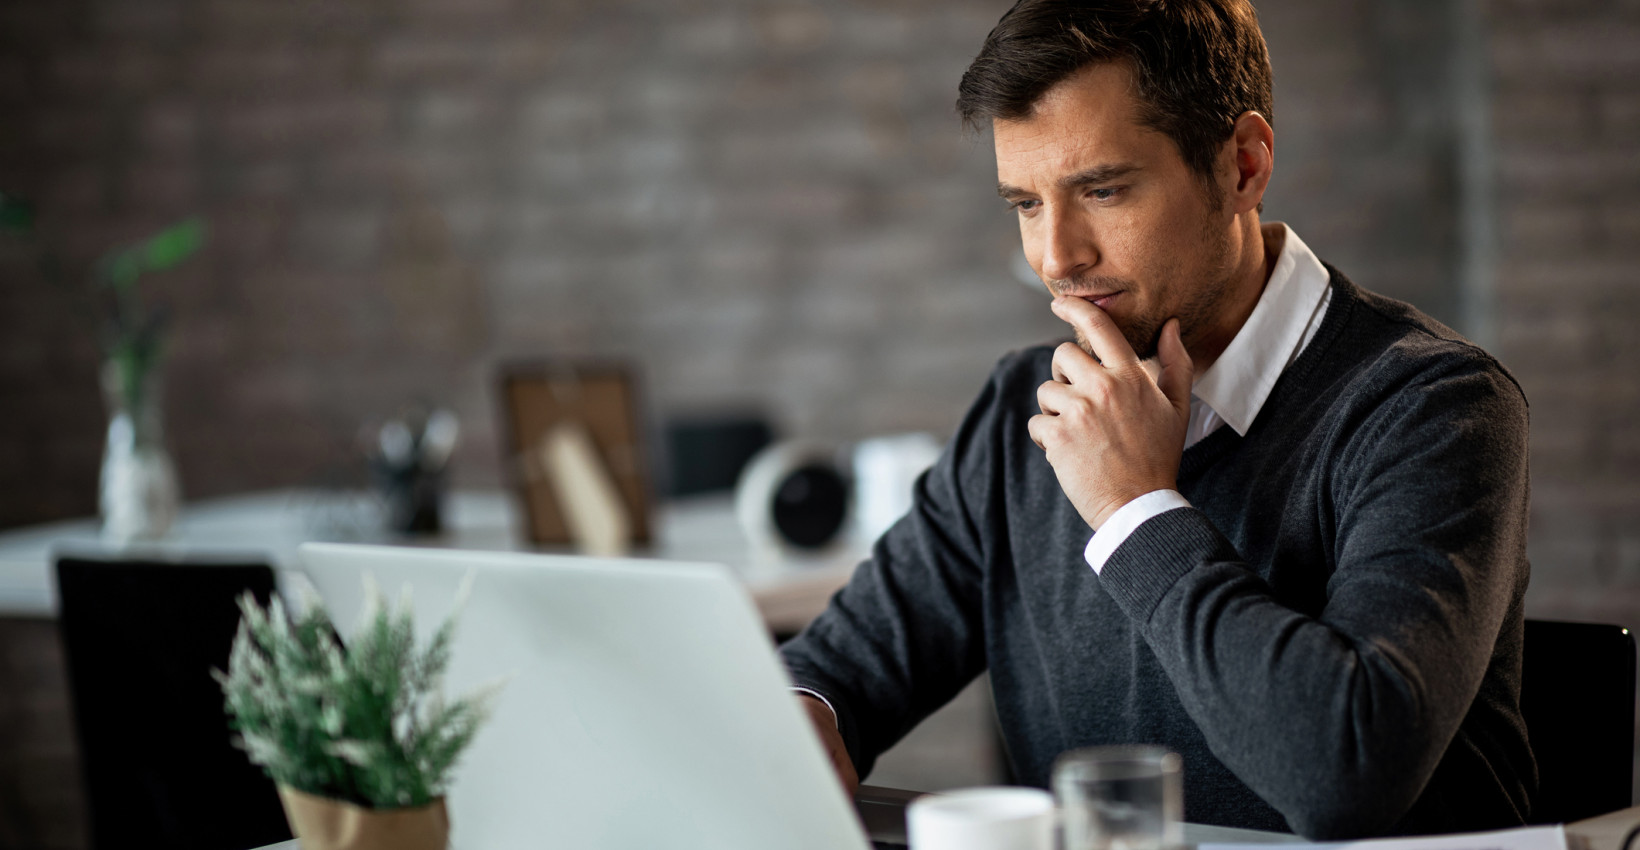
[[646, 706]]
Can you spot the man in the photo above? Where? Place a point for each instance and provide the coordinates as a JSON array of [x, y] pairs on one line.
[[1292, 549]]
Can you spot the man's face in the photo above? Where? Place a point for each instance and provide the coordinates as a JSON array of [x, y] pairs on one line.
[[1109, 211]]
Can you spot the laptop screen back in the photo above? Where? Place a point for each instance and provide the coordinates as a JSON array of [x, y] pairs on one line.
[[645, 707]]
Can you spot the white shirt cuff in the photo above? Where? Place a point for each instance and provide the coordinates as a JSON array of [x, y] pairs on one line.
[[1125, 521], [823, 700]]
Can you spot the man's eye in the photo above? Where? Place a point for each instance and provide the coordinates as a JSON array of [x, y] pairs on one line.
[[1024, 205], [1104, 194]]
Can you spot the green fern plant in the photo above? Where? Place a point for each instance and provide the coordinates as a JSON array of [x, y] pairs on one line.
[[364, 722]]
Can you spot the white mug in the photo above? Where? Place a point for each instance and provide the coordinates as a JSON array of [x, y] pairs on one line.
[[982, 819]]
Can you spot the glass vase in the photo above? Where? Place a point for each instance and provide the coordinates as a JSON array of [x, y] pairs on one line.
[[138, 495]]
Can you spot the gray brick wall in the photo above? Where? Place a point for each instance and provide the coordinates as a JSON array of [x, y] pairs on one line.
[[759, 204], [1566, 100], [41, 804]]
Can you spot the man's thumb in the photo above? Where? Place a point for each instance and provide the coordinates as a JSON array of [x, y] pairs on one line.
[[1177, 369]]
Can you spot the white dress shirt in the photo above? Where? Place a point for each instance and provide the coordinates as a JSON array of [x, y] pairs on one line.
[[1234, 389]]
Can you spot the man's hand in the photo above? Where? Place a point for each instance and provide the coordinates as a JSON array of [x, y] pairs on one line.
[[1110, 432], [825, 723]]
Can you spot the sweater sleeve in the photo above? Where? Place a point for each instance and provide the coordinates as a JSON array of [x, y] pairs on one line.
[[906, 633], [1339, 720]]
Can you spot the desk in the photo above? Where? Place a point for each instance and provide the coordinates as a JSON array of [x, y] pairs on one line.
[[1604, 832], [789, 591], [883, 810]]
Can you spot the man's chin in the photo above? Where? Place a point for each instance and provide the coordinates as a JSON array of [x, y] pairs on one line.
[[1147, 347], [1145, 341]]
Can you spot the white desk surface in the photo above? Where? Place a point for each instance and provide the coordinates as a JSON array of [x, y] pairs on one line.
[[1194, 834], [271, 525], [1600, 833]]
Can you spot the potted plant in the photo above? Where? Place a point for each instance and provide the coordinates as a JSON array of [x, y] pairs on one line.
[[139, 496], [356, 736], [138, 493]]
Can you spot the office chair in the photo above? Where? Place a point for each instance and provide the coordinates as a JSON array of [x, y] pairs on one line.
[[140, 639], [1577, 697]]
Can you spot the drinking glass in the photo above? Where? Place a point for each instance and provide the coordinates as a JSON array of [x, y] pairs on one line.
[[1120, 798]]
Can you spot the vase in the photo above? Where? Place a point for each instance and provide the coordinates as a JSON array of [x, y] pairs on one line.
[[138, 495], [320, 823]]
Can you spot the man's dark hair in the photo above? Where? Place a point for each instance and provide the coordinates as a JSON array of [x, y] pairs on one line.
[[1198, 65]]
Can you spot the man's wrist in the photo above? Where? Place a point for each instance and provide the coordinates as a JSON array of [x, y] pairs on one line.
[[1117, 504], [1121, 524], [820, 698]]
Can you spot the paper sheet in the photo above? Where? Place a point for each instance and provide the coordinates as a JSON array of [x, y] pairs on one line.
[[1527, 838]]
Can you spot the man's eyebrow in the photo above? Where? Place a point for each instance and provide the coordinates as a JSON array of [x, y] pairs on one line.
[[1086, 177], [1098, 174]]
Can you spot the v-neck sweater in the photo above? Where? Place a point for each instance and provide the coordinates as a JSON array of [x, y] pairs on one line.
[[1330, 635]]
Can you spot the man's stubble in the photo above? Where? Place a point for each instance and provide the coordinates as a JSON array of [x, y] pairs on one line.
[[1199, 304]]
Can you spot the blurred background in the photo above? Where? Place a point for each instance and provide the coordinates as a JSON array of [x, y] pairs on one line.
[[761, 206]]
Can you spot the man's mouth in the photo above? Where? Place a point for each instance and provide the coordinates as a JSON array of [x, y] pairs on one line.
[[1096, 299]]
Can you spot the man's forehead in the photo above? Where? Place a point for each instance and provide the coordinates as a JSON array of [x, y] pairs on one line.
[[1088, 120], [1085, 155]]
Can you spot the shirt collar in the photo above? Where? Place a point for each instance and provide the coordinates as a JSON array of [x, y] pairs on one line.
[[1237, 384]]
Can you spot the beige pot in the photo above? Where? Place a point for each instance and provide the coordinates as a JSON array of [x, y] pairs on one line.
[[324, 824]]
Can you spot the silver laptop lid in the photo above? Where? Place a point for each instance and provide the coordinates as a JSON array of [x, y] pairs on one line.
[[646, 706]]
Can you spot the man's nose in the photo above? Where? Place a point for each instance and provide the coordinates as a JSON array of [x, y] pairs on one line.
[[1068, 246]]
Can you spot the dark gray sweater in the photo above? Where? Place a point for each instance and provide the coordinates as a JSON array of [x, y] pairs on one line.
[[1330, 636]]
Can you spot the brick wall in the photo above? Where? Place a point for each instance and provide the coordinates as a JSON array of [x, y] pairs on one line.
[[42, 806], [1567, 115], [760, 204]]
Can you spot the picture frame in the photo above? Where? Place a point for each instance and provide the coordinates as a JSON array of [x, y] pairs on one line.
[[602, 396]]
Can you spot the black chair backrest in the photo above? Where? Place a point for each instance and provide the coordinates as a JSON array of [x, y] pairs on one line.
[[1577, 696], [159, 770]]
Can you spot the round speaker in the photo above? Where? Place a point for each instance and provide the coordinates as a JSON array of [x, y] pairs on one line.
[[794, 496]]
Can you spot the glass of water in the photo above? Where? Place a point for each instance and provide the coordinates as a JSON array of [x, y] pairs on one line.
[[1120, 798]]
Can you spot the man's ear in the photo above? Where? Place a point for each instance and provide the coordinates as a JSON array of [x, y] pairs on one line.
[[1251, 154]]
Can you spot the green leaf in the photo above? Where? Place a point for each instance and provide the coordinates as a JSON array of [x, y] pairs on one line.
[[164, 250], [176, 243], [121, 270]]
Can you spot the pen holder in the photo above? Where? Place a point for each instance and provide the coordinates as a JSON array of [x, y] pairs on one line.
[[413, 497]]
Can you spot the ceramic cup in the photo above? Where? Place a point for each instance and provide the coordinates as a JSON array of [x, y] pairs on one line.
[[982, 819]]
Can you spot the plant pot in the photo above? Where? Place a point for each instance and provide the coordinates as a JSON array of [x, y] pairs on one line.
[[325, 824]]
